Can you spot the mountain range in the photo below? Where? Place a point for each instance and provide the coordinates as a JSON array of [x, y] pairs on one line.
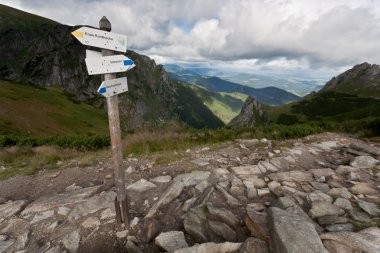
[[352, 95], [40, 52], [298, 85]]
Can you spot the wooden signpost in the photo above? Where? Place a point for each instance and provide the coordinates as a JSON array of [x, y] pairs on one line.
[[107, 65]]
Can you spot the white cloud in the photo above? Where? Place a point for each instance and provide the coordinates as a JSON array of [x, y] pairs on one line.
[[246, 34]]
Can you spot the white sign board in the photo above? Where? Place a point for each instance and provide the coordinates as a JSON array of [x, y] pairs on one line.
[[108, 64], [113, 87], [99, 38]]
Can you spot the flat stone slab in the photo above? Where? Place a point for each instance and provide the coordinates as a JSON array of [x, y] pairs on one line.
[[141, 186], [59, 200], [366, 148], [364, 188], [294, 175], [10, 208], [210, 247], [92, 205], [292, 234], [171, 241], [367, 240], [317, 173], [247, 170], [364, 162], [201, 161], [161, 179]]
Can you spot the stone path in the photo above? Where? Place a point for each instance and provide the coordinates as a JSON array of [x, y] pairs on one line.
[[319, 194]]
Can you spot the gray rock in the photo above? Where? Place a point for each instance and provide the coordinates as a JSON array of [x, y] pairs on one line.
[[263, 192], [254, 245], [91, 222], [71, 241], [336, 247], [237, 187], [320, 186], [10, 208], [231, 201], [171, 241], [294, 175], [168, 196], [22, 240], [285, 202], [92, 205], [322, 208], [161, 179], [189, 203], [130, 170], [64, 210], [72, 187], [60, 200], [257, 223], [42, 216], [222, 230], [4, 245], [297, 211], [326, 145], [363, 188], [257, 182], [203, 161], [318, 196], [140, 186], [343, 203], [202, 186], [340, 227], [358, 215], [258, 207], [367, 240], [340, 193], [131, 247], [364, 162], [223, 214], [366, 148], [343, 169], [193, 178], [210, 247], [332, 219], [251, 190], [317, 173], [272, 187], [292, 234], [270, 167], [247, 170], [55, 249], [370, 208], [195, 224]]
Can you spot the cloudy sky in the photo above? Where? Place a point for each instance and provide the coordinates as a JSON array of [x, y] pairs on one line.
[[317, 38]]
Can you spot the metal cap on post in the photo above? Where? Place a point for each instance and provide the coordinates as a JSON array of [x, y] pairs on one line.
[[115, 133], [105, 24]]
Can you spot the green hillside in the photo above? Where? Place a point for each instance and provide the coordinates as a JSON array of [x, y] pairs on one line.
[[327, 105], [47, 111], [224, 105]]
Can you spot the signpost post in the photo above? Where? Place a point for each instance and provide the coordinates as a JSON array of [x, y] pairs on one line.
[[117, 151], [108, 64]]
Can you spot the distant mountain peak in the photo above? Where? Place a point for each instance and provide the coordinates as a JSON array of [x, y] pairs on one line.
[[362, 79], [251, 114]]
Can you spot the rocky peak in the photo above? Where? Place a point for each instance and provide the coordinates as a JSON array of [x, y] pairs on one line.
[[250, 115], [361, 77]]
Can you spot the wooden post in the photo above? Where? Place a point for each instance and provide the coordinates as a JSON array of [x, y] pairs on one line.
[[117, 150]]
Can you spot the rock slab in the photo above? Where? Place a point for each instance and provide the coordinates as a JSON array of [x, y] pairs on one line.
[[292, 234]]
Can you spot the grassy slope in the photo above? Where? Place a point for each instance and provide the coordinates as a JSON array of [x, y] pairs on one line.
[[30, 110], [329, 105], [224, 105], [13, 18]]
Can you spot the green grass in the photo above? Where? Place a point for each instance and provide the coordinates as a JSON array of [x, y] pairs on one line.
[[225, 106], [47, 111], [13, 18]]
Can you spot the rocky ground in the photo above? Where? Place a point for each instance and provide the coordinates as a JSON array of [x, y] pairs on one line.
[[317, 194]]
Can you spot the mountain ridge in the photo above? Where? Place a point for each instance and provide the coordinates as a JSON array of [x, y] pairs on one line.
[[46, 54], [268, 95]]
